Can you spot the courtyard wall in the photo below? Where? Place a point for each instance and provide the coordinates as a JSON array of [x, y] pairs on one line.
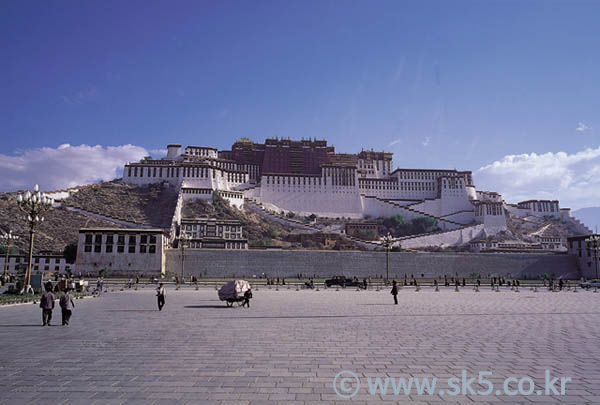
[[282, 263]]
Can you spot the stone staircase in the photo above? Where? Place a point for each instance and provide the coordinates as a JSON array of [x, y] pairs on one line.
[[118, 221], [292, 223], [420, 213], [435, 233]]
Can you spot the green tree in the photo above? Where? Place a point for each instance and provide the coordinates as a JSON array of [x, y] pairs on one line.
[[398, 220], [70, 252]]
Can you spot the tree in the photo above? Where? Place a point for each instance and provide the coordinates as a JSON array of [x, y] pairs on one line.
[[12, 251], [70, 252], [398, 220]]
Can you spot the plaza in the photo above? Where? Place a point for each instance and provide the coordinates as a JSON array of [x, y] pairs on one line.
[[289, 345]]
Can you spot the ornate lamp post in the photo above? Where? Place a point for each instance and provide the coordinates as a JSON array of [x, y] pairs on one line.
[[34, 204], [9, 237], [387, 242], [593, 244], [183, 241]]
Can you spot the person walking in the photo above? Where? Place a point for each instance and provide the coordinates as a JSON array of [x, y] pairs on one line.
[[160, 293], [47, 304], [394, 292], [247, 296], [66, 305]]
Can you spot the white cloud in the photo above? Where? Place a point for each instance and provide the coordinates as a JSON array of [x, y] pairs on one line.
[[581, 127], [573, 179], [65, 166], [394, 142], [426, 141], [158, 153], [81, 97]]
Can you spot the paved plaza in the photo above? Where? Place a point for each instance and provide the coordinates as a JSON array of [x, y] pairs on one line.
[[289, 346]]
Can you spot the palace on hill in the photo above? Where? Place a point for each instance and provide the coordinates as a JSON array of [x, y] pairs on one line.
[[306, 177], [309, 177]]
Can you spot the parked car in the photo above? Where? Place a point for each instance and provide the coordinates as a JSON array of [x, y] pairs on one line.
[[590, 284], [344, 282]]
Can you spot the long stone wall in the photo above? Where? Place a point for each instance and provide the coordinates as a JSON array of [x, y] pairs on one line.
[[228, 263]]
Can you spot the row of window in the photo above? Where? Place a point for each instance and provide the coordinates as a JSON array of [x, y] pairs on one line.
[[541, 206], [96, 242], [201, 152], [390, 185], [120, 249], [36, 260], [422, 175], [489, 209], [227, 228], [307, 181], [109, 240], [368, 164], [217, 245]]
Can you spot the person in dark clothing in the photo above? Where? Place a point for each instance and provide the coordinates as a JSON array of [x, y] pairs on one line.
[[66, 305], [247, 296], [160, 294], [394, 292], [47, 305]]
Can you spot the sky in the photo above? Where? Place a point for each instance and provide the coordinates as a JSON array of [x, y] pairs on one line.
[[507, 89]]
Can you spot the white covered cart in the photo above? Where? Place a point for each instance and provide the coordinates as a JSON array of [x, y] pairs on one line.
[[233, 292]]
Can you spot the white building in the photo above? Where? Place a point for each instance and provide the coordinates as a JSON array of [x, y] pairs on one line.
[[121, 252], [308, 177], [43, 262], [211, 233]]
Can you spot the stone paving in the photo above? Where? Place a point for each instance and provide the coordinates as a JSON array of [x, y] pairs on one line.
[[289, 346]]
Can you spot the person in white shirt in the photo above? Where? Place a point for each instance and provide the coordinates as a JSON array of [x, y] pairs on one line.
[[160, 294]]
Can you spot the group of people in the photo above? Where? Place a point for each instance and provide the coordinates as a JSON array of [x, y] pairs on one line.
[[47, 305]]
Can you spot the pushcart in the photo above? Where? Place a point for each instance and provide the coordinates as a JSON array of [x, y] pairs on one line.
[[233, 292]]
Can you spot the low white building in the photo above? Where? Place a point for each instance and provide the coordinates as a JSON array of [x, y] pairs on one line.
[[121, 252], [211, 233], [42, 262]]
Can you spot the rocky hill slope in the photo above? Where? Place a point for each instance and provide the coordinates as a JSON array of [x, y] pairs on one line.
[[151, 205], [59, 228]]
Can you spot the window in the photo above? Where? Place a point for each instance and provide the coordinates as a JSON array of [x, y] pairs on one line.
[[120, 243], [132, 241], [88, 238]]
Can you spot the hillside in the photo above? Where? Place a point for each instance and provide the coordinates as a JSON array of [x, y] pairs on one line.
[[151, 205], [60, 227], [525, 229], [256, 229]]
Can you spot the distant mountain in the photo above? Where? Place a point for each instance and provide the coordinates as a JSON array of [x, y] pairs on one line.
[[589, 216]]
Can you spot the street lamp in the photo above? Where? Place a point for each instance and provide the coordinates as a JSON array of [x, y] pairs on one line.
[[183, 241], [9, 237], [34, 204], [387, 242], [593, 244]]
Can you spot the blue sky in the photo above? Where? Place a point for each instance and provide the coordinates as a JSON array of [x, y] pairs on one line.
[[442, 84]]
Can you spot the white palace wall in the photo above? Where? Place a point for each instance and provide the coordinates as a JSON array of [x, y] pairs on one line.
[[320, 199]]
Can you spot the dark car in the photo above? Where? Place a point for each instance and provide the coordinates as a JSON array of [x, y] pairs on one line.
[[344, 282]]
